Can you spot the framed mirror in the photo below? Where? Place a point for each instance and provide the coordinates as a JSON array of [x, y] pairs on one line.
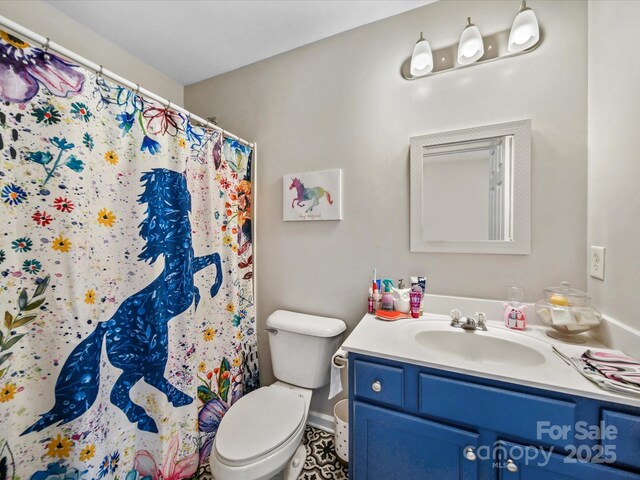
[[471, 190]]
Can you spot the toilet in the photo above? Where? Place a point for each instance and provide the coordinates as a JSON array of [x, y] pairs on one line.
[[260, 436]]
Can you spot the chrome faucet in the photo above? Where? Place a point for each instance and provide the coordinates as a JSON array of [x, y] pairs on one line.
[[468, 323]]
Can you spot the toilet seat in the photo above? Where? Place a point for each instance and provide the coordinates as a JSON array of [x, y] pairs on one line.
[[259, 423]]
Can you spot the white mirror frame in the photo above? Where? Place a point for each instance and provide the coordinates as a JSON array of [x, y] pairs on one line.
[[521, 181]]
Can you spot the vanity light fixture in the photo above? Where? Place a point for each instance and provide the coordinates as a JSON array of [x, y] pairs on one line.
[[525, 31], [474, 49], [422, 58], [471, 46]]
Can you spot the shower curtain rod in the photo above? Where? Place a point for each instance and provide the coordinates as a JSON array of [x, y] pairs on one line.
[[47, 44]]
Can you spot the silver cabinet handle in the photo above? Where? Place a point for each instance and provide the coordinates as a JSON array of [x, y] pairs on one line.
[[376, 386], [470, 454], [511, 466]]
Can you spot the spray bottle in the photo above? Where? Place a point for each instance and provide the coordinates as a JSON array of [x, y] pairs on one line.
[[387, 298]]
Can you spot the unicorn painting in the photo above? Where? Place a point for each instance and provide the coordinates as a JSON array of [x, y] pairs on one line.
[[303, 194], [136, 335]]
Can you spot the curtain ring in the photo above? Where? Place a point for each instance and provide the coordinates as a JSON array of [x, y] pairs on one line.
[[137, 91], [168, 104], [45, 47], [99, 72]]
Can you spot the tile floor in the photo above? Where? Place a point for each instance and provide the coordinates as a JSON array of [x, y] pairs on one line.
[[322, 462]]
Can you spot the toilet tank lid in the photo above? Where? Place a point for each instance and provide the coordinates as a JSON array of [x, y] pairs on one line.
[[302, 323]]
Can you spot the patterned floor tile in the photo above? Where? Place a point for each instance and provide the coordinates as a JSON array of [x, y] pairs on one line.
[[322, 462]]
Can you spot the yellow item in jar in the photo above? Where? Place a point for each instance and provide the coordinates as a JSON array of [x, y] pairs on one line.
[[559, 300]]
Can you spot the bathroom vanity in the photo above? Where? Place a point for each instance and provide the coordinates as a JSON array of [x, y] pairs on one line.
[[506, 409]]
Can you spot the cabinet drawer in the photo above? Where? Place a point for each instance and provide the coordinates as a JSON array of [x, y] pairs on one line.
[[512, 413], [520, 462], [625, 441], [379, 383]]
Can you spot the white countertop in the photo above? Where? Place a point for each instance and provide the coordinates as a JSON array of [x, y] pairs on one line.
[[393, 341]]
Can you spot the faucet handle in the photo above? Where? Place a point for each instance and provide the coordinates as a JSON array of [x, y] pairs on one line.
[[481, 320], [455, 315]]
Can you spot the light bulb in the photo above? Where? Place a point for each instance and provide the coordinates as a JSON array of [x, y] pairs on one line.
[[422, 58], [525, 31], [471, 46]]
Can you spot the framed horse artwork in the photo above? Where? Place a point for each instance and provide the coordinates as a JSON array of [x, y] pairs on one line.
[[312, 196]]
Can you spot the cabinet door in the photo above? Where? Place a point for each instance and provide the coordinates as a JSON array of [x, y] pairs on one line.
[[518, 462], [393, 446]]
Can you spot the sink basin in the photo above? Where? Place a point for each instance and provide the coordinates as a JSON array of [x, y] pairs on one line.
[[497, 347]]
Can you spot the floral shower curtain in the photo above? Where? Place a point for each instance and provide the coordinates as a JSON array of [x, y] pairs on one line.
[[127, 323]]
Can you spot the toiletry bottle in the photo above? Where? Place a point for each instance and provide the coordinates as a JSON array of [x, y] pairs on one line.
[[377, 298], [387, 298], [415, 297], [422, 283], [370, 302]]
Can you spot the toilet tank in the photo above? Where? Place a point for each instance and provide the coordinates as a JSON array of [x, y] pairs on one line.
[[301, 347]]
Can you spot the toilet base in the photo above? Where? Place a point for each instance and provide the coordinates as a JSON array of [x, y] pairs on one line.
[[294, 467]]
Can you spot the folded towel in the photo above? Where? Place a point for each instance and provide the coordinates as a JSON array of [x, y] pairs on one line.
[[614, 365], [590, 364]]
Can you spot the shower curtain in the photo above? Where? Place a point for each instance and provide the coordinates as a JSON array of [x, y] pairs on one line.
[[127, 325]]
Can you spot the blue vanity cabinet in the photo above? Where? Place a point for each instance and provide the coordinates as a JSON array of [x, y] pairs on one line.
[[409, 422]]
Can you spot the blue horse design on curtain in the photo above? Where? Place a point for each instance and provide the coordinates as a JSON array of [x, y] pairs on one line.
[[137, 334]]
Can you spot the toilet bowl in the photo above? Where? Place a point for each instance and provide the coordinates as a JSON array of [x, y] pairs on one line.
[[260, 436]]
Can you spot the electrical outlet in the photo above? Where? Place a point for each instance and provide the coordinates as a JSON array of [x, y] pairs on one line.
[[597, 262]]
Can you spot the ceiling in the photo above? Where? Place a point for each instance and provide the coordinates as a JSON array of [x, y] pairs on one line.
[[191, 40]]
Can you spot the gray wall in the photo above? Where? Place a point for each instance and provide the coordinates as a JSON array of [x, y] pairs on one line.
[[46, 20], [614, 161], [341, 103]]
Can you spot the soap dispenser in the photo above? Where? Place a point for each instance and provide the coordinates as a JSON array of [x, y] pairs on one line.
[[387, 298], [401, 301], [514, 309]]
